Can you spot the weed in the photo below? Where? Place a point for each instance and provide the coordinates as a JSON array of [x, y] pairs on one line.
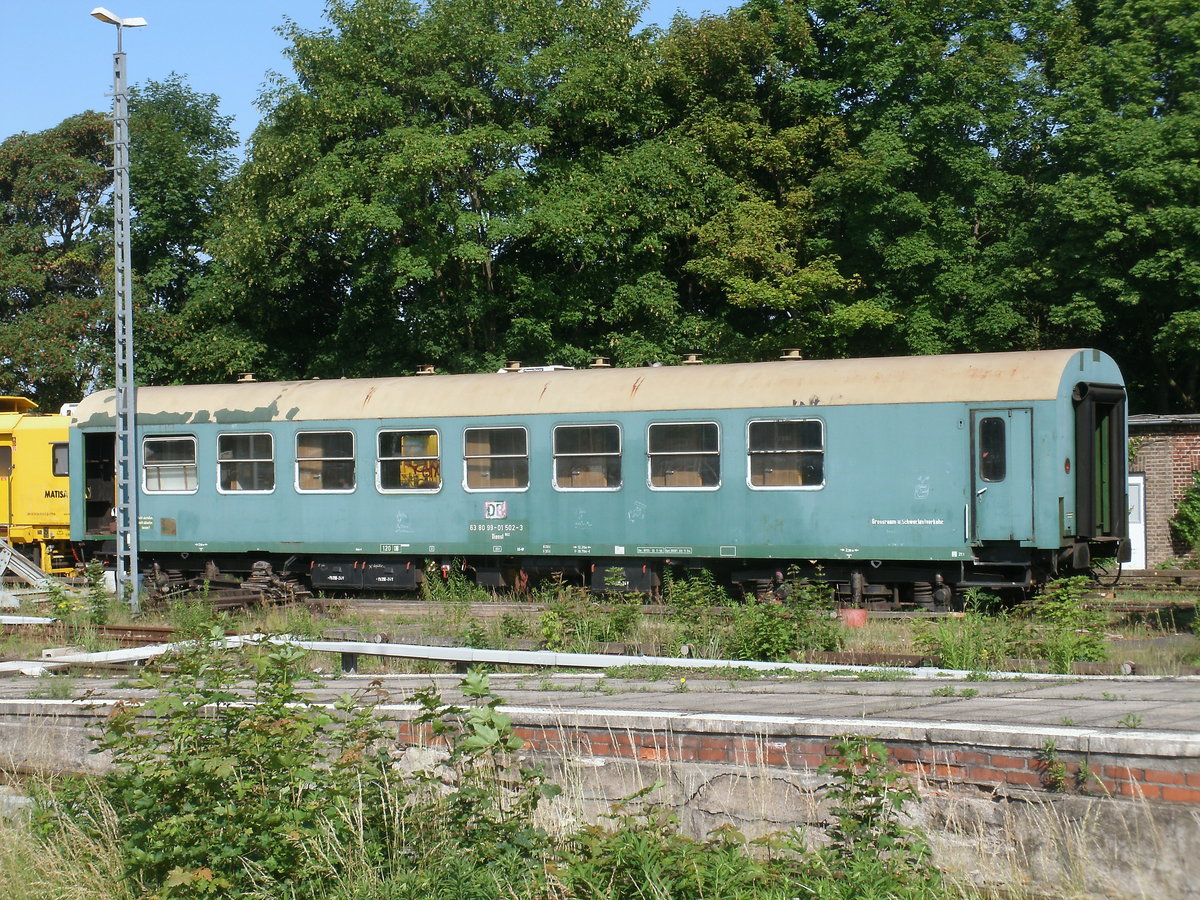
[[554, 631], [869, 849], [1065, 628], [1130, 720], [1054, 771], [449, 584], [973, 641], [800, 619], [513, 626], [98, 599], [473, 634], [54, 687]]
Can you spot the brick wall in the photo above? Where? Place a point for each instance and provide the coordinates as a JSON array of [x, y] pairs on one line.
[[1168, 454], [1108, 775]]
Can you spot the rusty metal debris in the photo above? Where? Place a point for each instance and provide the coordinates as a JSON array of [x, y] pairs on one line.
[[224, 591]]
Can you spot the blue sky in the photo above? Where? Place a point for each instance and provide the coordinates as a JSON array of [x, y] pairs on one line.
[[58, 59]]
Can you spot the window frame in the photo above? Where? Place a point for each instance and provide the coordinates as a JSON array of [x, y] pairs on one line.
[[353, 457], [651, 455], [619, 455], [379, 460], [271, 459], [147, 467], [987, 444], [751, 453], [63, 448], [467, 457]]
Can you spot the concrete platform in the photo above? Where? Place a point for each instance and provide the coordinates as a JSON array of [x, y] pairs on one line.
[[1068, 786]]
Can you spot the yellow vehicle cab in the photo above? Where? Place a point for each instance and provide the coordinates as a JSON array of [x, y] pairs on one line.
[[34, 507]]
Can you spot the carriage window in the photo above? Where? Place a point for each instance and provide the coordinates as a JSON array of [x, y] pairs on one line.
[[246, 462], [325, 461], [169, 465], [497, 458], [587, 457], [786, 454], [992, 463], [5, 461], [409, 461], [59, 456], [685, 455]]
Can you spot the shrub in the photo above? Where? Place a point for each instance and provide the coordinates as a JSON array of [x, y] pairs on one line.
[[1185, 524], [802, 619], [216, 796], [1066, 628], [871, 853]]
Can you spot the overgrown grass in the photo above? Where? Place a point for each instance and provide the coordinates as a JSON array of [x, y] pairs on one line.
[[284, 798]]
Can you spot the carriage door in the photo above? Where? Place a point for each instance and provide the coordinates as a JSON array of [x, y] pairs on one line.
[[1002, 474], [6, 493]]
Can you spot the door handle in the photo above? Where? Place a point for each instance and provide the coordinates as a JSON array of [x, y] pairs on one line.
[[981, 492]]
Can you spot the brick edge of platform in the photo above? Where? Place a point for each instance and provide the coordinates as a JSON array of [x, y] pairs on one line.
[[994, 765]]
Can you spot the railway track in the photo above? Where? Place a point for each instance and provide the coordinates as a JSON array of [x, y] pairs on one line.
[[123, 635]]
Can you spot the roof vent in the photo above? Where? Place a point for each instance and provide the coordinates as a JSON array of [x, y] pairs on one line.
[[426, 369], [245, 378], [791, 353], [600, 362], [693, 359]]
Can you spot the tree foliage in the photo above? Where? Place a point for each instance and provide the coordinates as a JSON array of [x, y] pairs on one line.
[[54, 232], [461, 183]]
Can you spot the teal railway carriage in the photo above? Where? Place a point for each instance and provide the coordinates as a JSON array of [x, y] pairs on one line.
[[899, 479]]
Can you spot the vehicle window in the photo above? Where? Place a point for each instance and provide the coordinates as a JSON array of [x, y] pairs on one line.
[[246, 462], [587, 457], [409, 461], [5, 461], [786, 454], [684, 455], [59, 457], [496, 458], [992, 462], [169, 465], [325, 461]]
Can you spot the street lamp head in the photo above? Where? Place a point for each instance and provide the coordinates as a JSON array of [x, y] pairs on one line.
[[112, 18]]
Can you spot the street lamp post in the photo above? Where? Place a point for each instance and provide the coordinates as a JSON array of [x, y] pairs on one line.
[[126, 433]]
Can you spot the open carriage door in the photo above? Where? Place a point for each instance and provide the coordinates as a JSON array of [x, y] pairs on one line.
[[1002, 474], [1101, 502]]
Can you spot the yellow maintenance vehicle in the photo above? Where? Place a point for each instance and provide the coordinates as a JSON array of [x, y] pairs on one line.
[[34, 507]]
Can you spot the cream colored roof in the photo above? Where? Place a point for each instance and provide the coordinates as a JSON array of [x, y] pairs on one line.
[[974, 378]]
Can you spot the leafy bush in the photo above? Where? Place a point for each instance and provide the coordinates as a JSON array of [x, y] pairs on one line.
[[870, 852], [1066, 628], [802, 619], [216, 796], [1185, 524], [764, 630]]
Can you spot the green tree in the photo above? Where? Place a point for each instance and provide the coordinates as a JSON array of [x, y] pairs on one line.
[[181, 156], [465, 182], [55, 234], [1117, 255]]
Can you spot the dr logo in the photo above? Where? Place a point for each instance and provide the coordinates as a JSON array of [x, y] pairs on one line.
[[495, 509]]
